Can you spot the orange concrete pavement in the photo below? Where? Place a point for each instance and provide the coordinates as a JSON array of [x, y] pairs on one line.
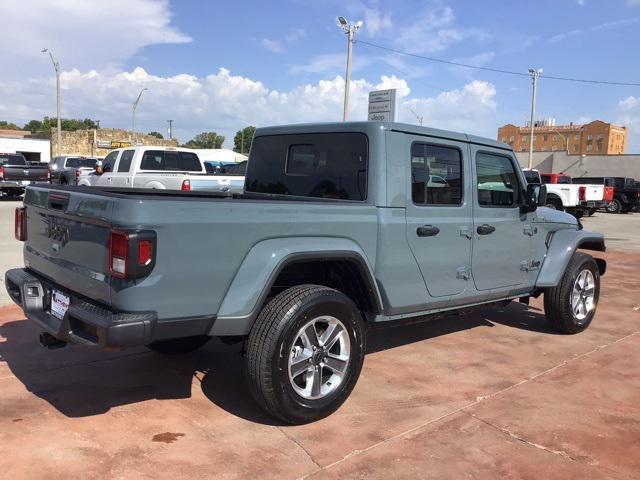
[[491, 394]]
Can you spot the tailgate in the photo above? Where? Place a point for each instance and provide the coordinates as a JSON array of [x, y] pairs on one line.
[[68, 239], [26, 173], [595, 192]]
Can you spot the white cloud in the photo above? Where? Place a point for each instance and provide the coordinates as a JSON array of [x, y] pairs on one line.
[[581, 3], [330, 63], [273, 45], [435, 31], [80, 34], [376, 22], [224, 102], [295, 34], [629, 115]]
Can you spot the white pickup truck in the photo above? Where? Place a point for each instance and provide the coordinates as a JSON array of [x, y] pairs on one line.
[[164, 168], [563, 194]]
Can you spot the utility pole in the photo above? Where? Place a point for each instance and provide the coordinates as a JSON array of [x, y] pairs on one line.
[[350, 30], [56, 67], [133, 117], [97, 124], [242, 140], [535, 74], [170, 129]]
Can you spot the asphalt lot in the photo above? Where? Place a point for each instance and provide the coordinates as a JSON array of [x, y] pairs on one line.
[[490, 394]]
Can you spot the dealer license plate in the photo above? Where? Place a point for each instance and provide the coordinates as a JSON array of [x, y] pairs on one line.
[[26, 182], [59, 304]]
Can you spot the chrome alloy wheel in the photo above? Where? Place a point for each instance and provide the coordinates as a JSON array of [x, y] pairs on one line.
[[583, 294], [319, 357]]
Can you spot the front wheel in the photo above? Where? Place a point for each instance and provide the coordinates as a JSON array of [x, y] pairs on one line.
[[305, 353], [571, 305]]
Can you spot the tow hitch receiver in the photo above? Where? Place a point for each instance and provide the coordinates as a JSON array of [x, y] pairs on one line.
[[49, 341]]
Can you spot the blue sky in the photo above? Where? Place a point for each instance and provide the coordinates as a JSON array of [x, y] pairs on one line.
[[284, 61]]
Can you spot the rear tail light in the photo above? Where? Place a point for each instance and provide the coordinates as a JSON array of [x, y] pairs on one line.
[[118, 254], [48, 175], [77, 176], [21, 224], [582, 193], [608, 194], [1, 172], [186, 185], [132, 254]]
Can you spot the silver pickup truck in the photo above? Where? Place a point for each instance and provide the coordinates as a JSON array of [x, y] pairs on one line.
[[341, 226]]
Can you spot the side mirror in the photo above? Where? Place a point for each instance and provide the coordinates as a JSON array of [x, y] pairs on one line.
[[536, 196]]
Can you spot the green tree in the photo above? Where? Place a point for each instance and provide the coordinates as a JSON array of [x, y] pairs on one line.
[[206, 140], [243, 138], [67, 124], [33, 126], [156, 134], [4, 125]]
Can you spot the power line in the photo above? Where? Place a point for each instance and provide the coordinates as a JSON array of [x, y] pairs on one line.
[[496, 70]]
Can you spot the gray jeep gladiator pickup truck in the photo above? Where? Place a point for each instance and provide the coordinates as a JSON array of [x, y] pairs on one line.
[[341, 226]]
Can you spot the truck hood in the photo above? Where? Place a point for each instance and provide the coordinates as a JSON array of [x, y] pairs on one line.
[[549, 215]]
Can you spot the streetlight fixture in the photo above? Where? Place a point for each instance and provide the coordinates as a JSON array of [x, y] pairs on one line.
[[56, 67], [133, 119], [534, 74], [350, 30]]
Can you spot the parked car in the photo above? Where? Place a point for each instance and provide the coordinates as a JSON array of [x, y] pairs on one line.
[[340, 228], [164, 168], [564, 195], [66, 170], [625, 194], [214, 166], [16, 173]]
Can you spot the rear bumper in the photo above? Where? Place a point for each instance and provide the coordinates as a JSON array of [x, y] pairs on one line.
[[593, 204], [17, 184], [93, 325]]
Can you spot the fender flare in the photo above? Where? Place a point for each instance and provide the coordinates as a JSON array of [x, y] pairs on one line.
[[262, 265], [563, 245], [154, 184]]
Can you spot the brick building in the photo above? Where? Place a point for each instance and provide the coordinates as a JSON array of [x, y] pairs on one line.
[[594, 138]]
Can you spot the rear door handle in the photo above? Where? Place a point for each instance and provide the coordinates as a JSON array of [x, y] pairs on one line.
[[485, 229], [427, 231]]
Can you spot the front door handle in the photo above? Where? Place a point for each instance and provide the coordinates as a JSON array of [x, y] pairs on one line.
[[427, 231], [485, 229]]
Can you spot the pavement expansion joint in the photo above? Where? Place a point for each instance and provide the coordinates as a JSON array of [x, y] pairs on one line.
[[480, 399]]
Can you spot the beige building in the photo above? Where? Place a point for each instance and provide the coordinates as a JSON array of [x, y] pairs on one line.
[[100, 142], [594, 138]]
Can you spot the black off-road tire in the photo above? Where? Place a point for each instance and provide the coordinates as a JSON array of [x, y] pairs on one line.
[[591, 211], [178, 346], [271, 340], [557, 300]]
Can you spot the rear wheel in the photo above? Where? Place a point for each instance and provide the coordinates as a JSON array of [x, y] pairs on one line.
[[304, 353], [571, 305], [554, 204], [177, 346], [591, 211], [614, 206]]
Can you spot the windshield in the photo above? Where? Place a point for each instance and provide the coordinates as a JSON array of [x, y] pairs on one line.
[[320, 165], [81, 162], [8, 159]]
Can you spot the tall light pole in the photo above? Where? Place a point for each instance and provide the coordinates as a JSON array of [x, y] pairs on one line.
[[133, 118], [350, 30], [170, 129], [56, 67], [535, 74]]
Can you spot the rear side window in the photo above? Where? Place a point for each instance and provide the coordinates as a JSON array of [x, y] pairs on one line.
[[170, 161], [319, 165], [125, 161], [497, 180], [436, 175]]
